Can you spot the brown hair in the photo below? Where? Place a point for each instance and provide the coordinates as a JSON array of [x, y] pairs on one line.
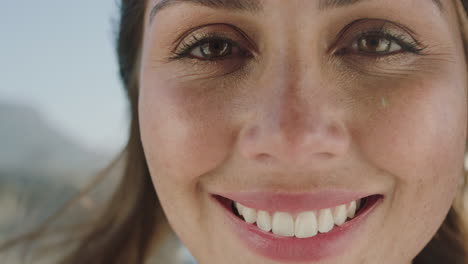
[[133, 224]]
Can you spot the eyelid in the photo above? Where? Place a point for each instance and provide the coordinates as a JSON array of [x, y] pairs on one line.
[[197, 41], [242, 39], [369, 26]]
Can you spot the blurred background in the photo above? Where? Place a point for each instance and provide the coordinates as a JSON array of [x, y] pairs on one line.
[[63, 111]]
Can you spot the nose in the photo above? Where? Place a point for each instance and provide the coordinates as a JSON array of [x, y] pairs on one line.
[[296, 126]]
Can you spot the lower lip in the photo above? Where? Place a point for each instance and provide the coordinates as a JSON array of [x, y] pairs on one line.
[[316, 248]]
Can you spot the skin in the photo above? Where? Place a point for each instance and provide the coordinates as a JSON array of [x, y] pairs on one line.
[[296, 117]]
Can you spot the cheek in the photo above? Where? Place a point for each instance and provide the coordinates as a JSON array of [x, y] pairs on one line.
[[182, 136], [419, 138]]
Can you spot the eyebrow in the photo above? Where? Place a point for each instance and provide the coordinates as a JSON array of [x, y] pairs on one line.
[[327, 4], [253, 6]]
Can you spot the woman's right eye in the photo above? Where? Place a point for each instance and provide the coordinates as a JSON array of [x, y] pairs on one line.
[[213, 49], [210, 48]]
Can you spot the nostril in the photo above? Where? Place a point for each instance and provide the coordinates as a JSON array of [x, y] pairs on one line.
[[298, 147], [324, 155], [264, 157]]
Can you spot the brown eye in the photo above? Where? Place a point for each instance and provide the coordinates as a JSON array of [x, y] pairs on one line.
[[212, 49], [375, 44]]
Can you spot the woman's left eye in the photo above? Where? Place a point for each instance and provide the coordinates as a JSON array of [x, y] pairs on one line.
[[376, 45]]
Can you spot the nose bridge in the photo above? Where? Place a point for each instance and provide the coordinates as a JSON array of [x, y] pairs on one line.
[[295, 114], [298, 122]]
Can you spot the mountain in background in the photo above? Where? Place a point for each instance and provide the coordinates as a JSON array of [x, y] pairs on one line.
[[40, 168], [30, 145]]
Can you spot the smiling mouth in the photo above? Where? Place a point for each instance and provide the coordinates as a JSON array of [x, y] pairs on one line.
[[305, 224]]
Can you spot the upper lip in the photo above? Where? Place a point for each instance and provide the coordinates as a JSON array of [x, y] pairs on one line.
[[293, 202]]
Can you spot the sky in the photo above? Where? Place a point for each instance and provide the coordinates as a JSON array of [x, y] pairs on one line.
[[58, 57]]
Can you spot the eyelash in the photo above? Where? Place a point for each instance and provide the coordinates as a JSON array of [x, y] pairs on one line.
[[188, 46], [400, 39], [413, 46]]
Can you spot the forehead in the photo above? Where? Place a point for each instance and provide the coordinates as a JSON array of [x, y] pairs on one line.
[[257, 5], [444, 9]]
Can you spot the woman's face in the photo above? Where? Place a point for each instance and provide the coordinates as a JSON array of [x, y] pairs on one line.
[[295, 109]]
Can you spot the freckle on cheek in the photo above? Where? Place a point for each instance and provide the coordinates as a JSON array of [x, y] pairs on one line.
[[383, 102]]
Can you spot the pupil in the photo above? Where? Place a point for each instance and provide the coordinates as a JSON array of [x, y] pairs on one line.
[[216, 46], [374, 43], [216, 49]]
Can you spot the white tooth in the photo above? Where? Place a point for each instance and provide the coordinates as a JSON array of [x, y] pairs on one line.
[[306, 225], [352, 209], [264, 221], [249, 214], [325, 220], [358, 204], [240, 208], [283, 224], [339, 215]]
